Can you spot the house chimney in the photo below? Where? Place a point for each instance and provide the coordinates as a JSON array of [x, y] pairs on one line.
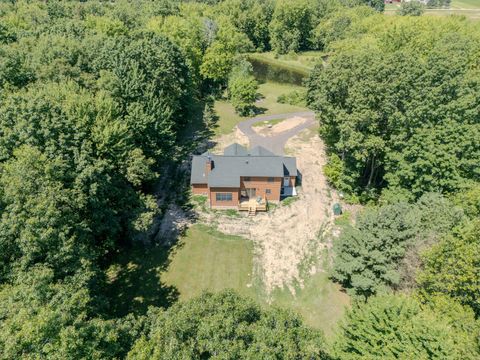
[[208, 165]]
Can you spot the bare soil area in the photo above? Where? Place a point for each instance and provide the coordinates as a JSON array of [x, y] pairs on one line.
[[285, 125], [283, 237]]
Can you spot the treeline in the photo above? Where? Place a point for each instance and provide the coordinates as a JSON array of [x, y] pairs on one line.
[[398, 104], [399, 107]]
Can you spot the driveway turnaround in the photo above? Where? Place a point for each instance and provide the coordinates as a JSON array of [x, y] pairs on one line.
[[275, 143]]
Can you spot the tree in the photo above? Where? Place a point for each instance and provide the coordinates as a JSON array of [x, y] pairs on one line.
[[220, 56], [242, 89], [469, 200], [338, 25], [381, 251], [291, 25], [41, 319], [226, 326], [399, 327], [411, 8], [252, 18], [378, 5], [452, 267], [401, 126]]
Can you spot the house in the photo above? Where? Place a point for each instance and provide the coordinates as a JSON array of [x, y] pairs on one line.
[[243, 179]]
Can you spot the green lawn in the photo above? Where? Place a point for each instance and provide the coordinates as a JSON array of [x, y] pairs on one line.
[[320, 302], [270, 92], [210, 260], [465, 4], [205, 259], [268, 122]]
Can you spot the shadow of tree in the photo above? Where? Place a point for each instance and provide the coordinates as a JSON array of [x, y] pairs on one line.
[[134, 274], [134, 280]]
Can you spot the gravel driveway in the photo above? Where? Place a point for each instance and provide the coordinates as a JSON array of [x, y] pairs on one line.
[[275, 143]]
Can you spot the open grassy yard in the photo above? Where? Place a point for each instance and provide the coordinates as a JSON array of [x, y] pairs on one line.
[[320, 302], [209, 260], [269, 92], [205, 259]]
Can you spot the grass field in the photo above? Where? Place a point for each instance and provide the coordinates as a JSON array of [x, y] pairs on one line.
[[269, 122], [210, 260], [468, 8], [205, 259], [268, 104], [465, 4]]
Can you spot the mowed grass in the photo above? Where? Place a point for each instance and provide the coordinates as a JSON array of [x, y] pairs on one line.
[[320, 302], [269, 92], [208, 260], [465, 4]]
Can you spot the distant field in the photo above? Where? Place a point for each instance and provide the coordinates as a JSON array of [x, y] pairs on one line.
[[270, 92], [468, 8], [465, 4]]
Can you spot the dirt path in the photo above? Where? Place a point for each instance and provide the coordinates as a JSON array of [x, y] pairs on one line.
[[284, 237]]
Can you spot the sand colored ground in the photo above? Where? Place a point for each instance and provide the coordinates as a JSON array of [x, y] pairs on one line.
[[282, 126], [283, 238], [223, 141]]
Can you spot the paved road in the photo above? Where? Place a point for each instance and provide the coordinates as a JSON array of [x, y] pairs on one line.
[[275, 143]]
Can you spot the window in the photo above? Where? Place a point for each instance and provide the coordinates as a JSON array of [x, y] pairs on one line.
[[270, 179], [223, 196], [268, 191], [246, 178]]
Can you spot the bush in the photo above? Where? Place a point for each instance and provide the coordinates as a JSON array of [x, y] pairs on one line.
[[411, 8], [296, 98]]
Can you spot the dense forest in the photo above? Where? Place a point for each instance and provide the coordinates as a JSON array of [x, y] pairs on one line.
[[98, 100]]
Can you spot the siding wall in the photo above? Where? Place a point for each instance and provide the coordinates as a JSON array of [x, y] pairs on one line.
[[292, 181], [224, 204], [261, 184], [200, 189]]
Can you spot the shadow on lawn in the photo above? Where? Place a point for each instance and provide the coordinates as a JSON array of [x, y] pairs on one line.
[[134, 274], [134, 281]]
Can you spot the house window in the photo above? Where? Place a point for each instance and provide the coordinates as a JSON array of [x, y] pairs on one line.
[[268, 191], [246, 178], [270, 179], [223, 196]]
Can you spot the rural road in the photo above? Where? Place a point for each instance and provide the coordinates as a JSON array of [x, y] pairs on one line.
[[275, 143]]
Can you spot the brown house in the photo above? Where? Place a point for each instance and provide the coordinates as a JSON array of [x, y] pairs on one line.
[[242, 179]]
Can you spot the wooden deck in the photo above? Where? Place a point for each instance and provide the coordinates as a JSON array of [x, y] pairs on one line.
[[252, 206]]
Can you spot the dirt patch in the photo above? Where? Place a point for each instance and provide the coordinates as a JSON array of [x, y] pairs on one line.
[[287, 124], [283, 238], [223, 141]]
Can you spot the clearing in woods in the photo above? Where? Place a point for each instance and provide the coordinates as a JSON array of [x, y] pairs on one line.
[[279, 258]]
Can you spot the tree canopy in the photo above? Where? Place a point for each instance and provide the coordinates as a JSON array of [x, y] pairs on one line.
[[397, 106], [226, 326], [400, 327]]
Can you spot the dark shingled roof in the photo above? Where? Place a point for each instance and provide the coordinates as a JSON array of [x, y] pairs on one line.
[[235, 150], [237, 162]]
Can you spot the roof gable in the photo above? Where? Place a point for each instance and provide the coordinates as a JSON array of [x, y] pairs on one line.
[[227, 169]]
